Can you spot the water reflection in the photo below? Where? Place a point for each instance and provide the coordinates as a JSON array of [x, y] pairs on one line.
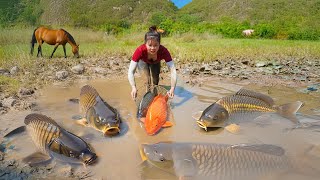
[[119, 156]]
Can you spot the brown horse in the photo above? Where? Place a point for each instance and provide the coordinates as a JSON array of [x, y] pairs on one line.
[[53, 37]]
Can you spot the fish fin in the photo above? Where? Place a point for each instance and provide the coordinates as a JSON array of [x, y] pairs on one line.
[[289, 110], [74, 100], [245, 92], [265, 148], [40, 117], [16, 131], [37, 159], [167, 124], [143, 155], [82, 122], [143, 119], [144, 164], [77, 117], [197, 115], [88, 98], [233, 128], [185, 168]]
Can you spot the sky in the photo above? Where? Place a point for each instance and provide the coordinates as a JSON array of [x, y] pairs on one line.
[[180, 3]]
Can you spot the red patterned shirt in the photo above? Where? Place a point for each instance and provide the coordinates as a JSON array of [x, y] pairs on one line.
[[141, 53]]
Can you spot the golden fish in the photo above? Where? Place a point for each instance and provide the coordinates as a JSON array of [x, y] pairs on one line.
[[54, 142], [245, 104], [98, 113]]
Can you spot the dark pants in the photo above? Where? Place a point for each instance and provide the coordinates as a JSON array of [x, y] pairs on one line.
[[153, 69], [155, 72]]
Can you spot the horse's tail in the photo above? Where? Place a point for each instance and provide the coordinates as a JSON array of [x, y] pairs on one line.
[[33, 40]]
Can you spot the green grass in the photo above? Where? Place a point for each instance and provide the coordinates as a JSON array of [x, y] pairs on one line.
[[189, 47], [8, 84]]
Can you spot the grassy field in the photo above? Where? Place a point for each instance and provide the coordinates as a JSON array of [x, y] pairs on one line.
[[15, 48]]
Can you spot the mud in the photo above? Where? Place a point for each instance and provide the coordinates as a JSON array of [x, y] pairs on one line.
[[199, 84]]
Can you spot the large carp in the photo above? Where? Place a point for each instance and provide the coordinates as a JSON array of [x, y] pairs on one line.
[[221, 161], [243, 105], [157, 115], [53, 141], [144, 102], [98, 113]]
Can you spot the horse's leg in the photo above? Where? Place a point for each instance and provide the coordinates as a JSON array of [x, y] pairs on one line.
[[54, 50], [64, 50], [39, 50]]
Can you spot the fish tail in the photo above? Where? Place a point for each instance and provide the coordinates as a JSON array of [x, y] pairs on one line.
[[15, 131], [289, 110]]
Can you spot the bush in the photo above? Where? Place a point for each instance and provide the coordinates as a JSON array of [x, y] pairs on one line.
[[265, 31]]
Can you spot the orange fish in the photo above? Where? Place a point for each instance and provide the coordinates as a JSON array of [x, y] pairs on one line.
[[157, 114]]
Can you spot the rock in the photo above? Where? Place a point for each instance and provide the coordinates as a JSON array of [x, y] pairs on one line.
[[4, 71], [14, 70], [62, 74], [245, 62], [78, 69], [11, 162], [66, 171], [261, 64], [25, 91], [9, 102], [1, 156], [100, 70]]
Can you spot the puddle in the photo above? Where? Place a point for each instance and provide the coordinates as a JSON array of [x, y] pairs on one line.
[[119, 156]]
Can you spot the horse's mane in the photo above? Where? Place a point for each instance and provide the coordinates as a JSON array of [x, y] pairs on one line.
[[70, 37]]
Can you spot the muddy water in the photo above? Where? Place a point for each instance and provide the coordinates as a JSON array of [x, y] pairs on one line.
[[119, 156]]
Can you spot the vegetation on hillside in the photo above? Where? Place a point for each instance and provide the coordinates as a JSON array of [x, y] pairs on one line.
[[277, 19]]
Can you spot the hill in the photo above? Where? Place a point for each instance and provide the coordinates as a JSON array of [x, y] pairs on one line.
[[280, 19]]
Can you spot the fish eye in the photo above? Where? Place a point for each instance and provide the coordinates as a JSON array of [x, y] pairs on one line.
[[98, 120], [162, 159], [71, 154], [208, 116]]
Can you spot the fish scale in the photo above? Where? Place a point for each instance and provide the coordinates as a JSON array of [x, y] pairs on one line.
[[238, 103], [41, 132], [87, 98], [234, 159], [98, 114], [156, 115]]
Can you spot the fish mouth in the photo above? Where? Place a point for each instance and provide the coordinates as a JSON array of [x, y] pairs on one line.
[[110, 131], [202, 125], [91, 160]]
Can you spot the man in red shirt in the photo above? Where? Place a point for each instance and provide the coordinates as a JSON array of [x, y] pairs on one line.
[[147, 58]]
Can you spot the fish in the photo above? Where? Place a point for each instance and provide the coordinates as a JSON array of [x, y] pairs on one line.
[[54, 142], [144, 102], [98, 114], [244, 105], [157, 115], [216, 161]]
